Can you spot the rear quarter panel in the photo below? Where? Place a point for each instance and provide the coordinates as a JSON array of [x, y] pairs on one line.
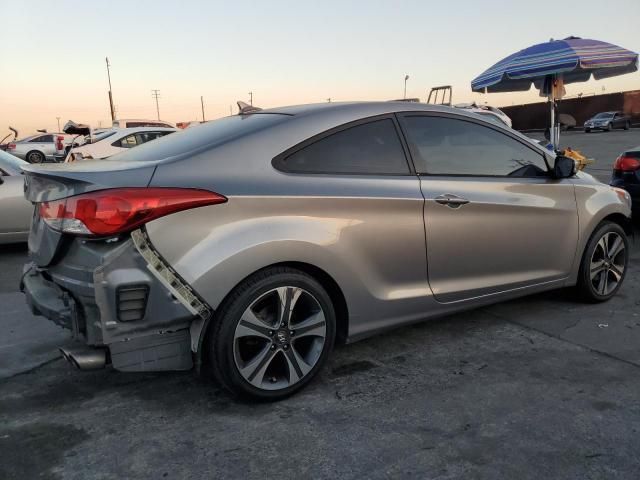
[[372, 247]]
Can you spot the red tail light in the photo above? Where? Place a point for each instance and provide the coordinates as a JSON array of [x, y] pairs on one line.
[[59, 144], [626, 163], [11, 146], [120, 210]]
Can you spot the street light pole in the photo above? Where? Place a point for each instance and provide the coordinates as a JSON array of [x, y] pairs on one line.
[[202, 104], [113, 111], [251, 98], [406, 77], [58, 118]]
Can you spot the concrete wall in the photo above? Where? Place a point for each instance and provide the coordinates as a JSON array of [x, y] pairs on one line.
[[536, 115]]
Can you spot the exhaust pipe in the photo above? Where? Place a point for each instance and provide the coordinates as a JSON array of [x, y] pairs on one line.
[[85, 358]]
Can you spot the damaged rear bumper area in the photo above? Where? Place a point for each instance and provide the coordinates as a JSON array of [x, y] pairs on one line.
[[120, 299]]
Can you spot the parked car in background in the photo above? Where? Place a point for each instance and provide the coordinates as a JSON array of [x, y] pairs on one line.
[[492, 113], [4, 142], [114, 141], [15, 211], [136, 122], [255, 241], [626, 174], [608, 121], [41, 147]]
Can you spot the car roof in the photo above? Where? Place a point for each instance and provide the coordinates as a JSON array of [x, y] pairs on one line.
[[344, 112], [358, 108]]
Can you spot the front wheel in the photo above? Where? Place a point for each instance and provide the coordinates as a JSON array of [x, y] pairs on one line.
[[604, 263], [272, 335], [587, 130]]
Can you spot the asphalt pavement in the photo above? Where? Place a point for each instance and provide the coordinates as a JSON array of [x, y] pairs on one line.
[[603, 147], [540, 387]]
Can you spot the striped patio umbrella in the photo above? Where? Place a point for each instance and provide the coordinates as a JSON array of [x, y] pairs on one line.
[[550, 65], [572, 59]]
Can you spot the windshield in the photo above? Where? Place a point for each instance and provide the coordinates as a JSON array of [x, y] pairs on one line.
[[603, 115], [9, 162]]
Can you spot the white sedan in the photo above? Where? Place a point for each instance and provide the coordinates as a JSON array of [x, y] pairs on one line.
[[116, 140]]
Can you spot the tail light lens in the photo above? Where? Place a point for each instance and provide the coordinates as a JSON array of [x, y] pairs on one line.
[[120, 210], [59, 143], [626, 163], [11, 146]]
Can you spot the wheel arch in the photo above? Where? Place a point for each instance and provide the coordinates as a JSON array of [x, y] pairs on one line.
[[334, 291], [622, 220]]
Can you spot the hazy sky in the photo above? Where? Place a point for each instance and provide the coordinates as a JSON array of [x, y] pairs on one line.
[[52, 60]]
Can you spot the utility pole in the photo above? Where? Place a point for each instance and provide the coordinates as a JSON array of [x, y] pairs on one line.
[[58, 118], [251, 98], [202, 104], [113, 111], [156, 94], [406, 77], [329, 100]]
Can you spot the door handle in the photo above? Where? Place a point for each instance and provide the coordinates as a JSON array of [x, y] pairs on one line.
[[451, 200]]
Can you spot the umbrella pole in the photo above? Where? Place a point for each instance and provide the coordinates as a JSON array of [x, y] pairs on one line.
[[552, 130]]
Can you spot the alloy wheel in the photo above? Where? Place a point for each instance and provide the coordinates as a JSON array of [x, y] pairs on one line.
[[279, 338], [35, 157], [608, 263]]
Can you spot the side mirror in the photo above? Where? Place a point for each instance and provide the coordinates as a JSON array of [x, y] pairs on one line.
[[564, 167]]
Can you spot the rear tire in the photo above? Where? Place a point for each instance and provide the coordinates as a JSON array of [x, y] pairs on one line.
[[604, 263], [34, 156], [256, 351]]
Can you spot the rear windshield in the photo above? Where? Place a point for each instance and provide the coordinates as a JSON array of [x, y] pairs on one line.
[[198, 139], [102, 136]]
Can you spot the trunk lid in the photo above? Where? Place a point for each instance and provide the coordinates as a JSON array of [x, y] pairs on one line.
[[47, 182]]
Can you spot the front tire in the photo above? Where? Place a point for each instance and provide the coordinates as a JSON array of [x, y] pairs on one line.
[[272, 334], [587, 130], [604, 263]]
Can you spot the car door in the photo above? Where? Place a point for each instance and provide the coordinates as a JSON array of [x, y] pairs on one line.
[[45, 144], [495, 219]]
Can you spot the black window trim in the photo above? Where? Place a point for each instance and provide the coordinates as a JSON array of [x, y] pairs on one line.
[[278, 162], [403, 126], [119, 141]]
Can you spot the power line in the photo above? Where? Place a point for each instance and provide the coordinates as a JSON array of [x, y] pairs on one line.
[[156, 94]]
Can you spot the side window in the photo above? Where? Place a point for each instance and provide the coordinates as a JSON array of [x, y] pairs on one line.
[[145, 137], [446, 146], [127, 142], [370, 148], [42, 139]]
